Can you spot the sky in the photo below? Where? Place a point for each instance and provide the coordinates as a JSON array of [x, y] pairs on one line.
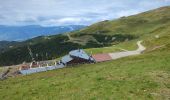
[[70, 12]]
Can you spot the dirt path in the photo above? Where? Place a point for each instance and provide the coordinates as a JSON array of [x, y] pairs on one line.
[[117, 55], [70, 38]]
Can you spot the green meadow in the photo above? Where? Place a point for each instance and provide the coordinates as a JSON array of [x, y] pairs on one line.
[[141, 77]]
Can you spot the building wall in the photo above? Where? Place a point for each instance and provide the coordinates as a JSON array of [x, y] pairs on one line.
[[78, 61]]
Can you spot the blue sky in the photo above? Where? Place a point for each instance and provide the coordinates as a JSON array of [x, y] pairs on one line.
[[66, 12]]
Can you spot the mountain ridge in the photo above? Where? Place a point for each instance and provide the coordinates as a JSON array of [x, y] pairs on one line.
[[20, 33]]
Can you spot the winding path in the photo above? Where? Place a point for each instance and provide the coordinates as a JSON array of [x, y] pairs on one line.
[[117, 55]]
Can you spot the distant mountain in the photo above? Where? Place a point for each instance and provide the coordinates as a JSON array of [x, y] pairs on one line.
[[15, 33]]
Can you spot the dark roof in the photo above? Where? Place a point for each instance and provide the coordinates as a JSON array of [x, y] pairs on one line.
[[76, 54], [102, 57], [80, 54], [66, 59]]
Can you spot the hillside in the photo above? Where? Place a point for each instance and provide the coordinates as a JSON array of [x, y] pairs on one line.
[[6, 44], [144, 77], [139, 25], [145, 26]]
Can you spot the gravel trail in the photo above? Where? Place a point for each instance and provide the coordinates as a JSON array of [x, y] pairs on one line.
[[117, 55]]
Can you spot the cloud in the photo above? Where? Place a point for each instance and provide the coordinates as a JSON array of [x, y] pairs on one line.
[[65, 12]]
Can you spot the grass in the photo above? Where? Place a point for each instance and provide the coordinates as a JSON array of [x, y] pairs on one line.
[[103, 50], [145, 76], [2, 69], [128, 45]]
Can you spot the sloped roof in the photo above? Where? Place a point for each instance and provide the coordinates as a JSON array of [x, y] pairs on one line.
[[80, 54], [102, 57], [66, 59]]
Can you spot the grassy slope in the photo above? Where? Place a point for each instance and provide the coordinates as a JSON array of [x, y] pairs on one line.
[[146, 76], [140, 24], [145, 26]]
